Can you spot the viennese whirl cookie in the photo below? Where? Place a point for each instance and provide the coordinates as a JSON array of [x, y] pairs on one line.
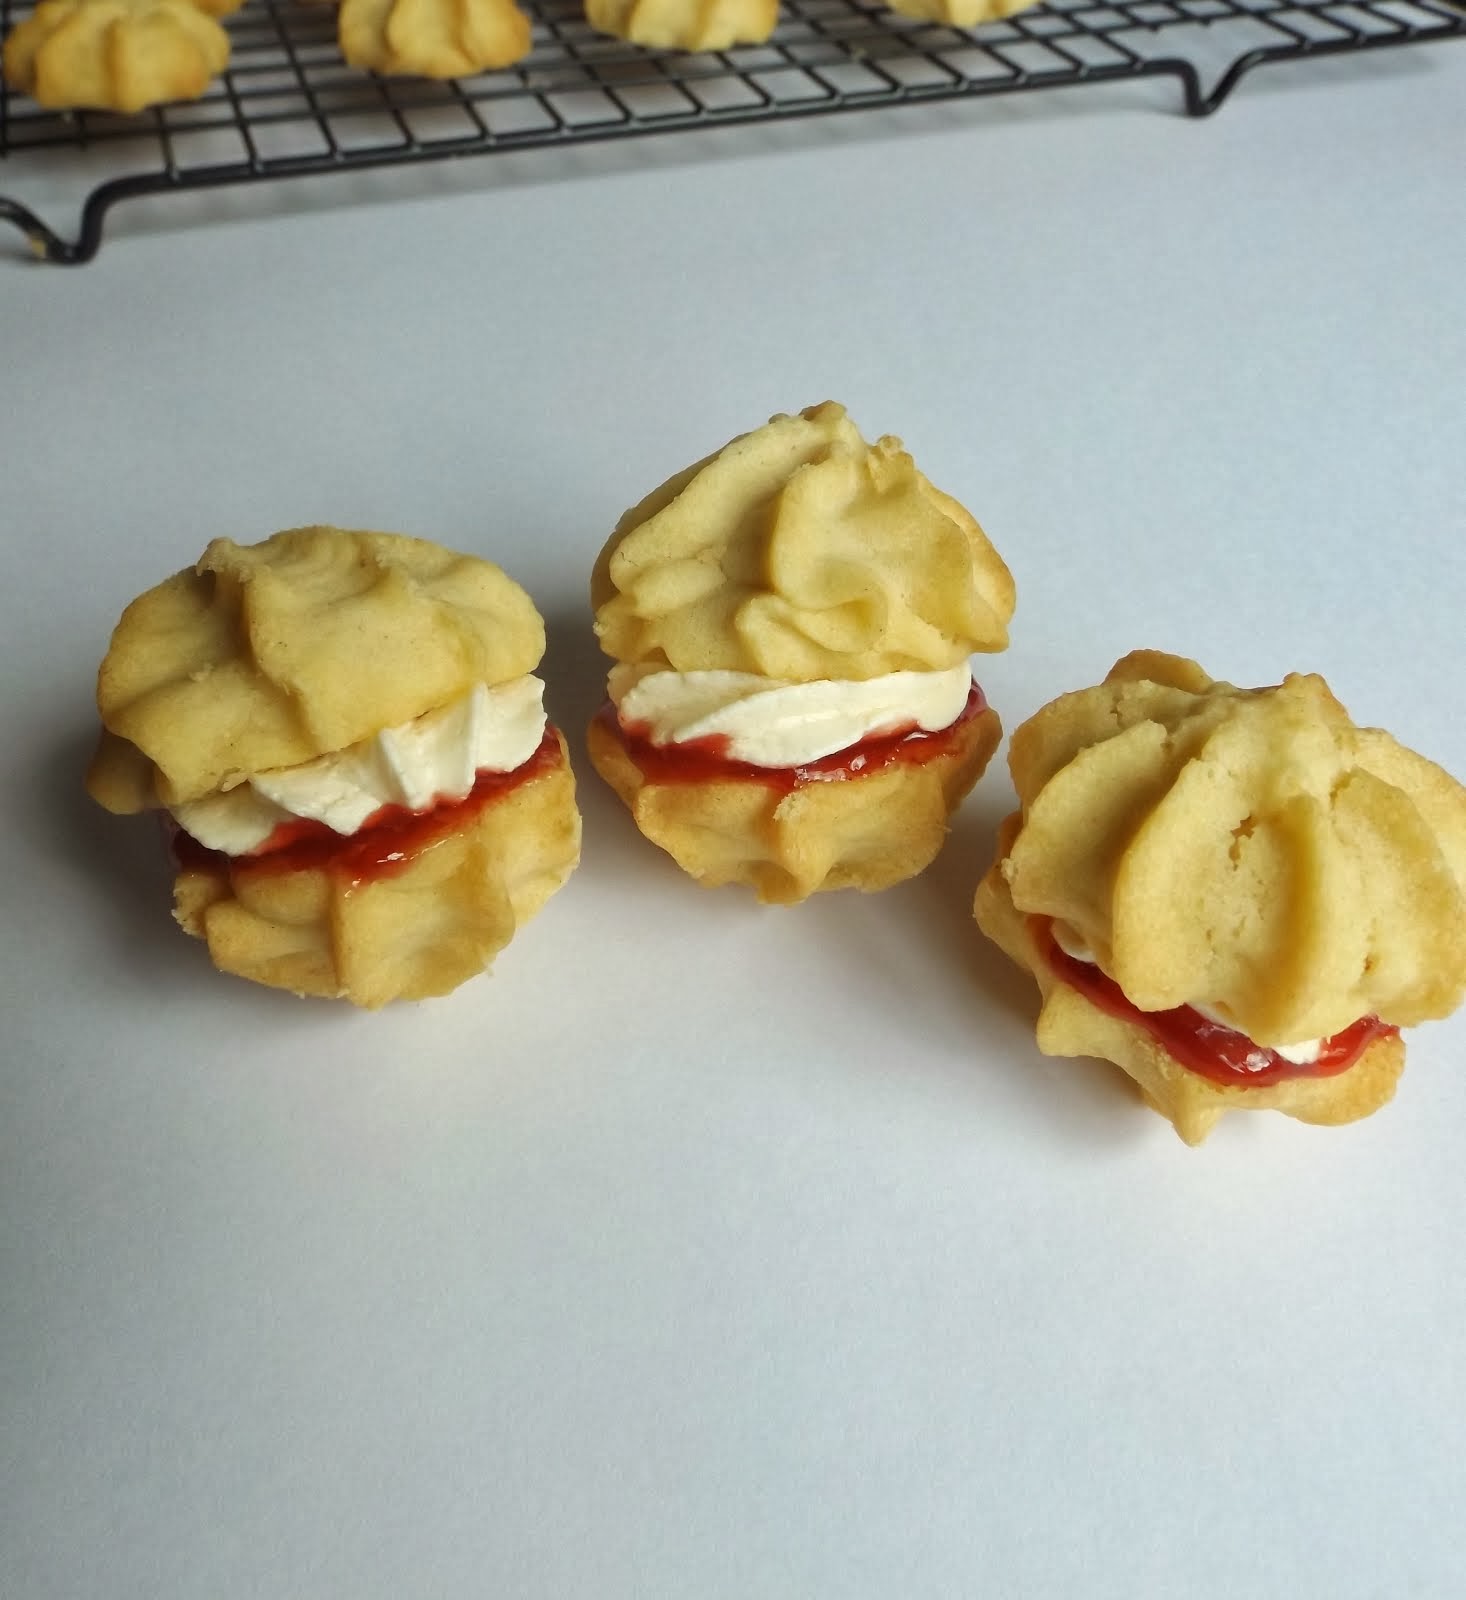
[[432, 38], [117, 55], [347, 734], [792, 706], [959, 13], [685, 24], [1235, 895]]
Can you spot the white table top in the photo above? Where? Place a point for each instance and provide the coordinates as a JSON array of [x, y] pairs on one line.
[[705, 1250]]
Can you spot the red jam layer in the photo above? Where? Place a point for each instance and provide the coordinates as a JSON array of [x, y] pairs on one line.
[[1199, 1044], [389, 839], [706, 760]]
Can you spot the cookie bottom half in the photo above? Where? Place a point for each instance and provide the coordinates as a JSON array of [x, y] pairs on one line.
[[866, 832], [1071, 1025], [418, 931]]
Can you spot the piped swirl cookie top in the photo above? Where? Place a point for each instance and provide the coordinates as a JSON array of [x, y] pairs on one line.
[[799, 551], [1251, 851], [268, 655], [117, 55]]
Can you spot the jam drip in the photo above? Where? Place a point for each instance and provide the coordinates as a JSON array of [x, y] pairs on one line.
[[707, 761], [1199, 1044], [385, 844]]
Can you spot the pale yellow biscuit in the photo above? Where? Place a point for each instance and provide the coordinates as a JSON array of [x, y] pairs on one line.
[[115, 55], [1072, 1025], [270, 655], [685, 24], [959, 13], [799, 551], [1250, 852], [867, 832], [432, 38], [273, 655], [417, 933]]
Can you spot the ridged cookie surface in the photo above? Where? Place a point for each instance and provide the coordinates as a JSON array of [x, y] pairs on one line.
[[866, 832], [269, 655], [1250, 851], [116, 55], [1070, 1024], [413, 933], [432, 38], [685, 24], [959, 13], [799, 551]]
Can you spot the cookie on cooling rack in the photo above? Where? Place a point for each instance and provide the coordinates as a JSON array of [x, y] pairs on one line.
[[793, 706], [115, 55], [346, 734], [432, 38], [959, 13], [1236, 895], [685, 24]]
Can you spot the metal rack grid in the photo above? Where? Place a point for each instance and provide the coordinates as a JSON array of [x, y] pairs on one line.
[[289, 105]]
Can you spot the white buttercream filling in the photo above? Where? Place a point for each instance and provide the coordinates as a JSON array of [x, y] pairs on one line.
[[434, 757], [1302, 1054], [772, 722]]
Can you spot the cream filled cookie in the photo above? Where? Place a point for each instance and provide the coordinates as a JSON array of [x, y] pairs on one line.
[[1236, 895], [792, 618], [349, 741]]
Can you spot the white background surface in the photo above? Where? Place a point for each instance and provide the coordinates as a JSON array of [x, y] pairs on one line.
[[706, 1250]]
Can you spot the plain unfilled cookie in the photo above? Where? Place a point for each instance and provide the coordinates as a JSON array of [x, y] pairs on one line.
[[685, 24], [116, 55], [432, 38]]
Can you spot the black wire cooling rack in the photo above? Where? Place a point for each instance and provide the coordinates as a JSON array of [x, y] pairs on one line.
[[289, 105]]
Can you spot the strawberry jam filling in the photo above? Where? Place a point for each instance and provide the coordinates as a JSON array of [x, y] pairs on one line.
[[385, 843], [1209, 1048], [707, 760]]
